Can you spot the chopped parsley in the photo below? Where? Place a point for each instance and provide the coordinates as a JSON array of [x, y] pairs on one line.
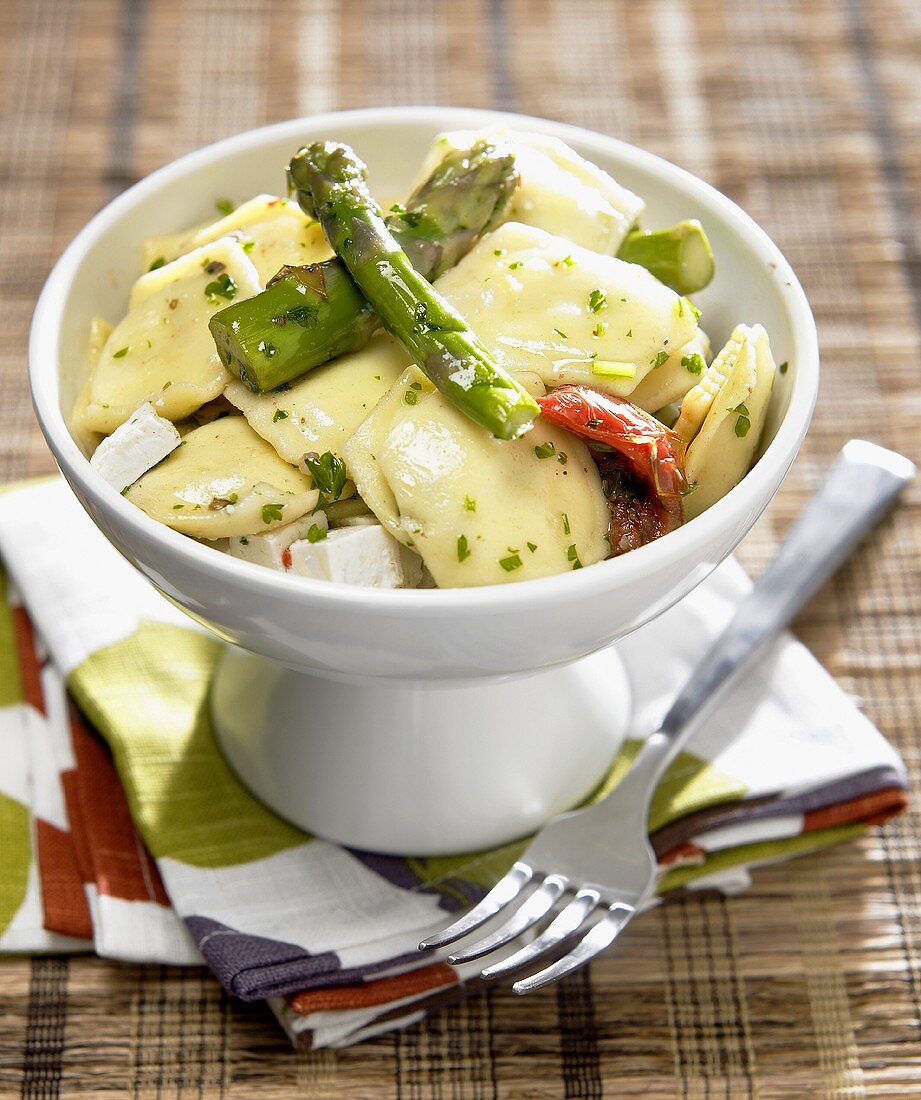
[[463, 550], [743, 424], [567, 530], [513, 561], [248, 246], [567, 261], [469, 504], [680, 307], [280, 414], [693, 363], [499, 251], [562, 335], [328, 473], [515, 264], [784, 367], [121, 353], [545, 450], [268, 349], [271, 512], [660, 357], [158, 262], [600, 329], [629, 332], [316, 533], [224, 206], [224, 286], [597, 301], [532, 546], [410, 397], [415, 385]]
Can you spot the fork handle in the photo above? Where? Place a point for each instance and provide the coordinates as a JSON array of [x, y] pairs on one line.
[[859, 489]]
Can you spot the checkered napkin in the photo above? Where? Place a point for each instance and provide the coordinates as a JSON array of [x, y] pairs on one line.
[[123, 831]]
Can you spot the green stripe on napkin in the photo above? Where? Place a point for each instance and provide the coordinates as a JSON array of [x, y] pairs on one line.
[[148, 697]]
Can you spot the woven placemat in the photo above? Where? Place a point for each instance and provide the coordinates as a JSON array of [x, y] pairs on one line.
[[808, 116]]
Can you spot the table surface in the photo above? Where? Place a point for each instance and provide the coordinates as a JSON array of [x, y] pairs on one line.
[[809, 116]]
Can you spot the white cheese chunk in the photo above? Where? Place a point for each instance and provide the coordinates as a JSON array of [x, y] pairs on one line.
[[135, 447], [365, 555], [271, 549]]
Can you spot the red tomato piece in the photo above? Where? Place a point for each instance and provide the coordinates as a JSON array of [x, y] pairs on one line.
[[640, 460]]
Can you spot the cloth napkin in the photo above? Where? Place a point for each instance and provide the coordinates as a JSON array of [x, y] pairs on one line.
[[122, 830]]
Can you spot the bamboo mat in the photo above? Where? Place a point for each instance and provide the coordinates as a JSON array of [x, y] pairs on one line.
[[808, 115]]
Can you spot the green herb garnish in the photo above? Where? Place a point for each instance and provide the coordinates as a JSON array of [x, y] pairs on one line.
[[328, 473], [545, 450], [410, 397], [693, 363], [280, 414], [224, 206], [513, 561], [463, 550], [566, 528], [158, 262], [224, 286], [469, 505], [316, 533], [659, 358], [784, 367], [121, 353], [271, 512], [597, 301]]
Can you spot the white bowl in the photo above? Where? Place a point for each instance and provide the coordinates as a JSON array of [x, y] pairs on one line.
[[368, 748]]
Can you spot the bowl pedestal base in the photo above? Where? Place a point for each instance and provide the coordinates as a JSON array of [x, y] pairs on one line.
[[419, 768]]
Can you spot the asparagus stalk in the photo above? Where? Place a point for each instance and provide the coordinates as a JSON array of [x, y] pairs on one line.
[[679, 256], [308, 315], [331, 184]]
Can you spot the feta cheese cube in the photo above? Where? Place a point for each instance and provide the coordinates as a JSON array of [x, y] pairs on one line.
[[135, 447], [365, 555], [272, 548]]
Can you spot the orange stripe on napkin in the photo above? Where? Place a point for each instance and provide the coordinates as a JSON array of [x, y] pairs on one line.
[[30, 667], [63, 898], [121, 865], [368, 994], [64, 905], [870, 809]]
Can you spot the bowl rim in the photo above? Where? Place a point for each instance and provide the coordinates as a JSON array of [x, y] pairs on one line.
[[731, 511]]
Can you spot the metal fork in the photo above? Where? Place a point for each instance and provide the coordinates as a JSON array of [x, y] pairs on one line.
[[594, 869]]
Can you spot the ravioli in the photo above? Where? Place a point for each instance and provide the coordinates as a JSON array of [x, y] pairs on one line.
[[479, 510], [87, 437], [547, 307], [162, 351], [723, 417], [324, 407], [273, 232], [559, 191], [671, 381], [224, 481]]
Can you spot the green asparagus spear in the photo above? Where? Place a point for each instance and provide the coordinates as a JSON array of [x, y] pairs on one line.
[[308, 315], [331, 184], [680, 256]]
